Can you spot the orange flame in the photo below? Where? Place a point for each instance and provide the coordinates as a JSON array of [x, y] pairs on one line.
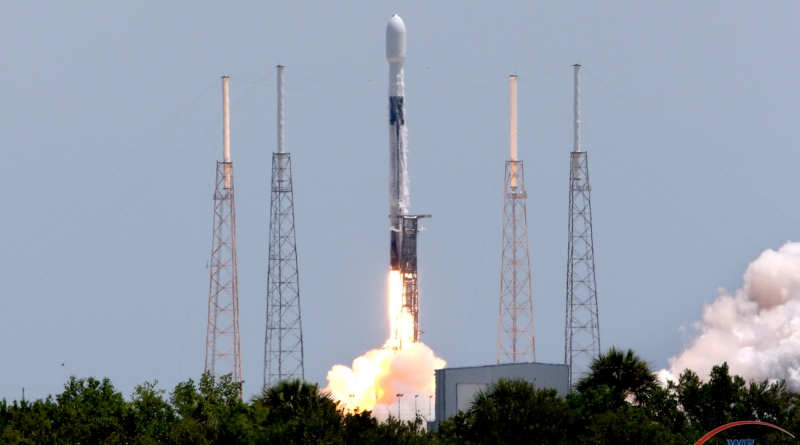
[[402, 366], [401, 321]]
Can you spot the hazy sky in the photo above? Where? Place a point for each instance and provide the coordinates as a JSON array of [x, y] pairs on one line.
[[111, 126]]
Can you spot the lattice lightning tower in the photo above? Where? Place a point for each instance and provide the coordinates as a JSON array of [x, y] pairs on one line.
[[283, 346], [582, 327], [515, 339], [223, 351]]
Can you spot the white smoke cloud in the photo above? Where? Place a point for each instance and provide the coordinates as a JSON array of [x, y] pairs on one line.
[[375, 379], [755, 329]]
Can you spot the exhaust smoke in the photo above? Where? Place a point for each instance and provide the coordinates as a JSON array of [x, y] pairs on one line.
[[755, 329]]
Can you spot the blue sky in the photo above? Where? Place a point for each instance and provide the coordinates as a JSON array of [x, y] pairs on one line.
[[110, 127]]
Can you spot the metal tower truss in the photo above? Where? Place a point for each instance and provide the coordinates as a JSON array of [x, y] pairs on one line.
[[407, 266], [408, 269], [515, 338], [283, 346], [222, 337], [583, 327]]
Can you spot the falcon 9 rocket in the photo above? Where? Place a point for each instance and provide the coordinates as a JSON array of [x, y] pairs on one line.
[[403, 293], [398, 173]]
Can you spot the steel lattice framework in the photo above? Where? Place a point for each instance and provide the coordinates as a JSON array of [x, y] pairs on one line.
[[515, 339], [223, 351], [408, 270], [408, 230], [582, 325], [283, 346]]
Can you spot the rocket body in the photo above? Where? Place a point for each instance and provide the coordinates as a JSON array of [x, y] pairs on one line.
[[398, 171], [403, 302]]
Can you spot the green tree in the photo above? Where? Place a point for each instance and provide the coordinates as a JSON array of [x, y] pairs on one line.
[[765, 401], [663, 407], [398, 432], [27, 422], [595, 400], [154, 417], [510, 412], [726, 398], [628, 425], [709, 405], [623, 372], [359, 427], [91, 411], [297, 412], [211, 412], [603, 416]]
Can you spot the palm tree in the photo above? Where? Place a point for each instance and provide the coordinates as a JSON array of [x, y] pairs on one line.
[[290, 398], [515, 411], [625, 373], [298, 412]]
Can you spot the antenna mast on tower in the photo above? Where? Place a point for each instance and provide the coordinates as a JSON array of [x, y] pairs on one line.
[[223, 352], [582, 327], [515, 340], [283, 345]]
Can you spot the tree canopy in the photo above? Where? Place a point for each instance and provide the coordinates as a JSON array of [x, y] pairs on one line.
[[617, 402], [620, 402]]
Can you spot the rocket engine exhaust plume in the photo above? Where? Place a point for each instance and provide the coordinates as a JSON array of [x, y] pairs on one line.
[[755, 329], [374, 380]]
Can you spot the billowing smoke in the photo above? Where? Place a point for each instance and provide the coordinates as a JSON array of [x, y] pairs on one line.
[[755, 329], [375, 379], [400, 367]]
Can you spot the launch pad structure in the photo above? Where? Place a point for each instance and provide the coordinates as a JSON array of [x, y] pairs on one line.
[[515, 336], [223, 350], [582, 332], [407, 266], [283, 343]]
